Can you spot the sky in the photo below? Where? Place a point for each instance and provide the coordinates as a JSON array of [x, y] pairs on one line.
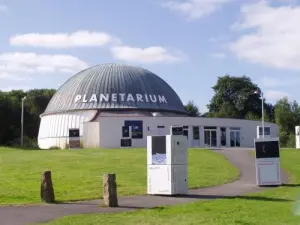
[[188, 43]]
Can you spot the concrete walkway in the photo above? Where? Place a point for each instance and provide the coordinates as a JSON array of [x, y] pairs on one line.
[[19, 215]]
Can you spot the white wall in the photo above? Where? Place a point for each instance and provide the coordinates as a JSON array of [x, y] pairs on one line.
[[54, 129], [91, 135], [113, 126]]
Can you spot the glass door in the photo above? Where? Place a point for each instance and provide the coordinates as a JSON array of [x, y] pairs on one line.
[[213, 138], [235, 140], [207, 138], [223, 136], [210, 138]]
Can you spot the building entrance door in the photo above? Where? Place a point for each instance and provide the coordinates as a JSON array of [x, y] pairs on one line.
[[210, 138], [235, 138]]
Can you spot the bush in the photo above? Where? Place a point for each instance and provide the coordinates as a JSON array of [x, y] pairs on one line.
[[28, 143], [291, 143], [54, 148]]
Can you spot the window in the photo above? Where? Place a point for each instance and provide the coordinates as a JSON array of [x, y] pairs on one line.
[[125, 132], [235, 128], [210, 128], [267, 131], [223, 136], [196, 133], [186, 131], [160, 126], [136, 128]]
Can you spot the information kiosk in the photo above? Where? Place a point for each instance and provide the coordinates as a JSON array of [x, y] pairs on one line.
[[267, 161], [167, 164]]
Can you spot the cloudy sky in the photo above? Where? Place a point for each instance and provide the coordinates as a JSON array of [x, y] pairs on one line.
[[189, 43]]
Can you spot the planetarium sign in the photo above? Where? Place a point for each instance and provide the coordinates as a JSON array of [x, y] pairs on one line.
[[120, 97]]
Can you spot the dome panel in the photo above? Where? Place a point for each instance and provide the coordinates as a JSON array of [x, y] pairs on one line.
[[115, 87]]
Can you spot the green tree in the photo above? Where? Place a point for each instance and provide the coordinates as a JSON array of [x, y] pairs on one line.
[[287, 116], [236, 94], [192, 109], [10, 114]]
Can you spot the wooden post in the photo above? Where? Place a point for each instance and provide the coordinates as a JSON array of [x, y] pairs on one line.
[[47, 192], [110, 190]]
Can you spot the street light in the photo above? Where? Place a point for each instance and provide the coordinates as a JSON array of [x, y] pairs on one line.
[[262, 111], [22, 120]]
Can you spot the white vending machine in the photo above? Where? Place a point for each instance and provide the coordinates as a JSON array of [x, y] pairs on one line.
[[167, 165], [267, 161]]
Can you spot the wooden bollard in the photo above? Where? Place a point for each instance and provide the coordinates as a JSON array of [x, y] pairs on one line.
[[110, 196], [47, 192]]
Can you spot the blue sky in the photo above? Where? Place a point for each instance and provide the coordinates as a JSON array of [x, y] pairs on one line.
[[189, 43]]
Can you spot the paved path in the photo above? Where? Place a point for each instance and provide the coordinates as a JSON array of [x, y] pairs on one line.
[[19, 215]]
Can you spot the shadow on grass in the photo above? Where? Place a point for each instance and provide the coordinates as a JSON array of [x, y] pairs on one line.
[[291, 185], [256, 198]]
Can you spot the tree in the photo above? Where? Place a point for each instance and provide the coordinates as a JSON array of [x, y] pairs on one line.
[[236, 94], [192, 109], [287, 116], [10, 114]]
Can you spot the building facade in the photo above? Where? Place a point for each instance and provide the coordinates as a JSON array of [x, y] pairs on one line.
[[113, 103]]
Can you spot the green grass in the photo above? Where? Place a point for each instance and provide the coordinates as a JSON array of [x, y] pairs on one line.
[[77, 174], [272, 207]]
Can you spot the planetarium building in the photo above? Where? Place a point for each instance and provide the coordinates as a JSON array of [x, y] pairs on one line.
[[115, 105]]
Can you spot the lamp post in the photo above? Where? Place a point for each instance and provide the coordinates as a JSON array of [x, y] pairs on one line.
[[262, 111], [22, 120]]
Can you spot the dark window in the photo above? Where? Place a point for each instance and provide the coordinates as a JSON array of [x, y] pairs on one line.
[[210, 128], [185, 127], [177, 131], [267, 131], [196, 134], [125, 131], [73, 132], [125, 142], [136, 128], [223, 136], [160, 126]]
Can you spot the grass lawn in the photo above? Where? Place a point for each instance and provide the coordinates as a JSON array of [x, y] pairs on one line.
[[272, 207], [77, 174]]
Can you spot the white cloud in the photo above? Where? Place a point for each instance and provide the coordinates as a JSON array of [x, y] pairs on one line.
[[155, 54], [270, 82], [152, 54], [218, 55], [16, 87], [3, 8], [195, 9], [274, 35], [21, 66], [275, 95], [64, 40]]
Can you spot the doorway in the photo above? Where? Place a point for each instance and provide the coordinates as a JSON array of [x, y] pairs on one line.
[[235, 137], [196, 136], [210, 138], [223, 136]]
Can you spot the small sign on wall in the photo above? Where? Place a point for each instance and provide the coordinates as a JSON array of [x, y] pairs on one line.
[[74, 138]]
